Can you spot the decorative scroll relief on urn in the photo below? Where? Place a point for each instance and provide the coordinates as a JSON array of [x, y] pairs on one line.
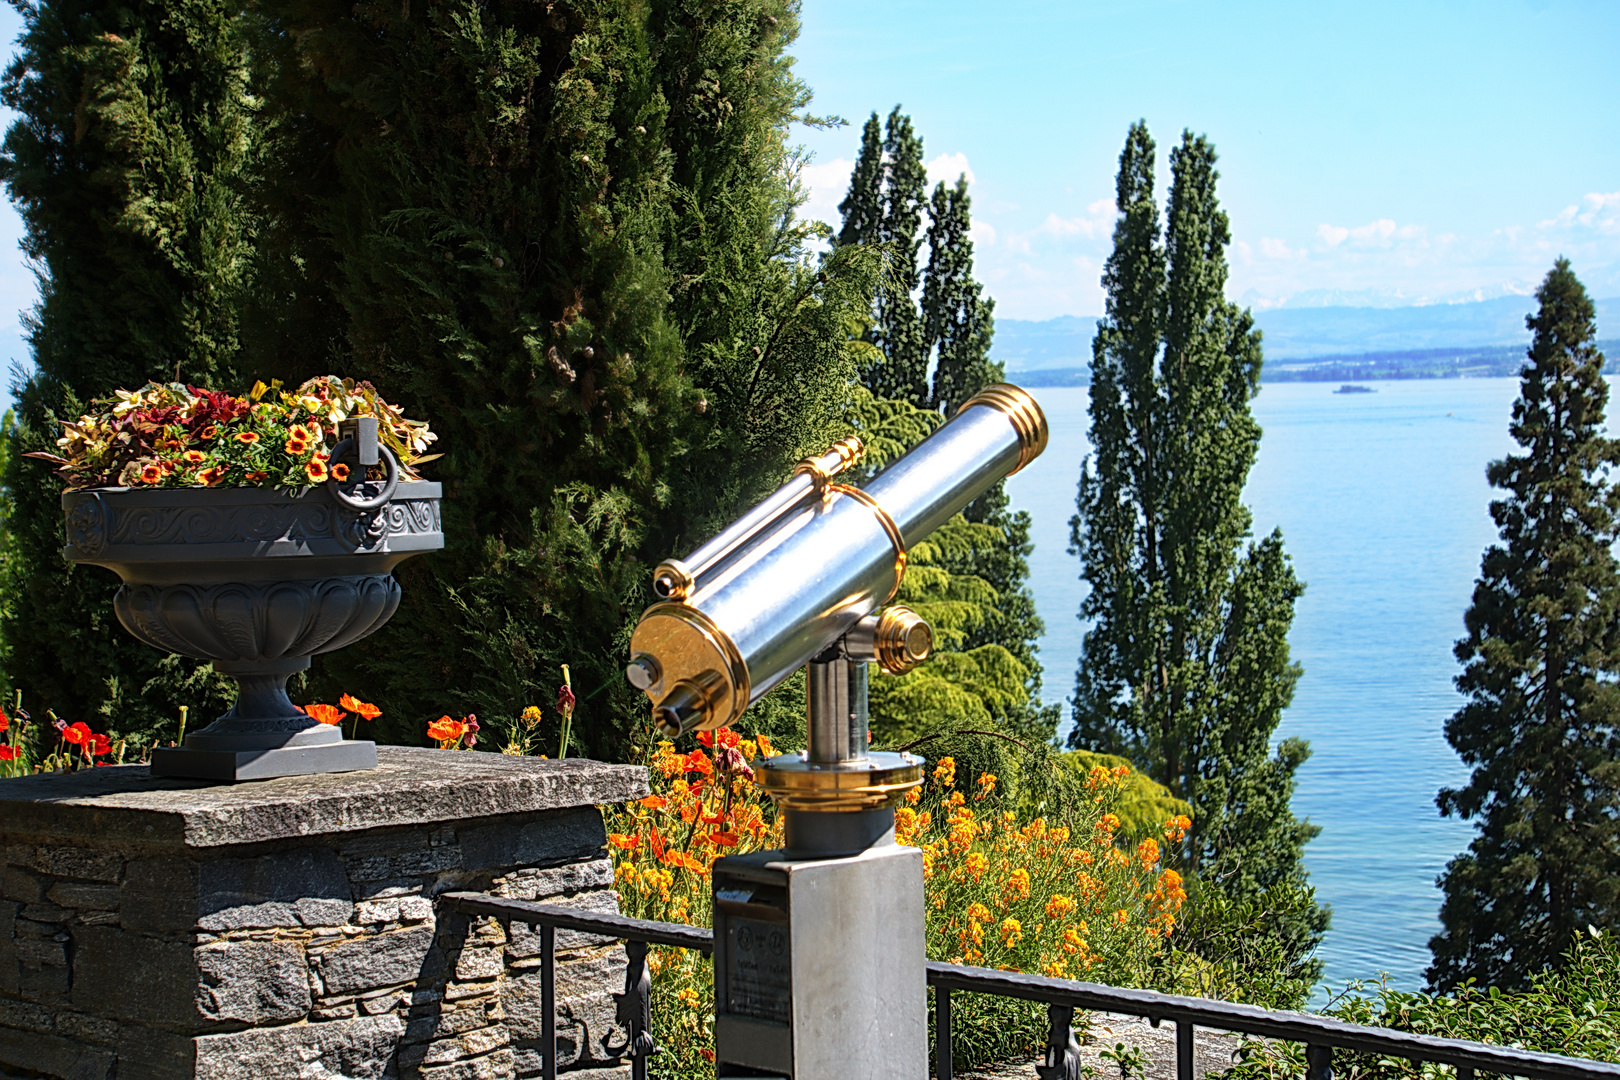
[[257, 582]]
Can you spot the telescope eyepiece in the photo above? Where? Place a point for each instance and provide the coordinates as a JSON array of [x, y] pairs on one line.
[[672, 581], [681, 711]]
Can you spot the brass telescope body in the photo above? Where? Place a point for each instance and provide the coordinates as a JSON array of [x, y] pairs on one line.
[[802, 572]]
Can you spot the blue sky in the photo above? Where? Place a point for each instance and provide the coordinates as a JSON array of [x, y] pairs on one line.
[[1370, 152], [1393, 152]]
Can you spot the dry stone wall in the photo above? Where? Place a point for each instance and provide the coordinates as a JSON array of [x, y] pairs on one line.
[[288, 929]]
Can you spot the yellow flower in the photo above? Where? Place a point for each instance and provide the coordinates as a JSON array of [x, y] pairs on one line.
[[977, 912], [1012, 932], [1059, 905], [945, 772], [688, 997], [1148, 852], [976, 864]]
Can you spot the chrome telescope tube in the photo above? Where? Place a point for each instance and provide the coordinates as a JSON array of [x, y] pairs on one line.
[[794, 575]]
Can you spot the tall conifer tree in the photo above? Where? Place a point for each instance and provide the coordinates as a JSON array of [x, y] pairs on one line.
[[1541, 726], [958, 319], [1186, 667], [885, 204], [127, 164]]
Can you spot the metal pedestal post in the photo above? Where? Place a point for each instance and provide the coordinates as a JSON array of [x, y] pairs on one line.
[[819, 961]]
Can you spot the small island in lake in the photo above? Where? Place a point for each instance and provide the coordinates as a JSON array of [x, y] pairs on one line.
[[1352, 388]]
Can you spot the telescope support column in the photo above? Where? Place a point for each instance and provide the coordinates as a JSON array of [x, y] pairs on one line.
[[819, 949]]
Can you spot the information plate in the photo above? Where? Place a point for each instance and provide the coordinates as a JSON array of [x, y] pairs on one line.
[[759, 977]]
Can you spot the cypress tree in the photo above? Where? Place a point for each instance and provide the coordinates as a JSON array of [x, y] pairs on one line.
[[862, 208], [564, 235], [1186, 668], [884, 206], [134, 142], [958, 320], [1541, 726]]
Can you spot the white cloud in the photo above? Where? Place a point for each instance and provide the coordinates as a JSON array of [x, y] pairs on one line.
[[1276, 249], [1381, 233], [828, 183], [982, 233], [946, 168]]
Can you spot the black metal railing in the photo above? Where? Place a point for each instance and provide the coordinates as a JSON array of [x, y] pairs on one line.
[[1320, 1035]]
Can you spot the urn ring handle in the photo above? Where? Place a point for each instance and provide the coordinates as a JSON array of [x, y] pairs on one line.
[[353, 502]]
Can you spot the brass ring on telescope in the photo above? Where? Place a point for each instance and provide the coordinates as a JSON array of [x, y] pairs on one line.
[[877, 781], [691, 648], [1026, 416], [889, 527], [838, 457]]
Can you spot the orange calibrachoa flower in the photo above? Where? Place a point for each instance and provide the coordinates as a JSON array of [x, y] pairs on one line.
[[340, 472]]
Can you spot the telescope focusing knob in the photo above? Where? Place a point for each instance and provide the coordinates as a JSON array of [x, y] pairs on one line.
[[643, 671], [904, 640]]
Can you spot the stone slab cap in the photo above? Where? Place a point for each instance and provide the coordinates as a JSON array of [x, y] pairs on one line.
[[410, 786]]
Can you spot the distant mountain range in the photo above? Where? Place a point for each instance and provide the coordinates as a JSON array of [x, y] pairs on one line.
[[1434, 340]]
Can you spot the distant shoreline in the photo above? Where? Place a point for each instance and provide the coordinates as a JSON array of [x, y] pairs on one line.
[[1484, 362]]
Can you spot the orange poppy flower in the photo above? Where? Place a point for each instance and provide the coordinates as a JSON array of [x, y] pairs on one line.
[[364, 709], [78, 734], [723, 839], [446, 730], [654, 802], [326, 714], [315, 469]]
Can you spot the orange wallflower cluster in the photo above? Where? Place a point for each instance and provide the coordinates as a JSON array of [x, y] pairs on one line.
[[1030, 895], [1059, 898]]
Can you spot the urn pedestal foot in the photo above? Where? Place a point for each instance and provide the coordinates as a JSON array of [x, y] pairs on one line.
[[229, 766]]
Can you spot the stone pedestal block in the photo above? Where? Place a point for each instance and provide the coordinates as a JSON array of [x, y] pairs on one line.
[[286, 930]]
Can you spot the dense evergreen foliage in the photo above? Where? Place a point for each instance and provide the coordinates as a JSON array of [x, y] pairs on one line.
[[1541, 726], [564, 233], [1570, 1010], [1186, 668], [127, 165]]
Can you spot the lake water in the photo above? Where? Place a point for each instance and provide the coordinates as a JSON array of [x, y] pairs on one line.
[[1383, 506]]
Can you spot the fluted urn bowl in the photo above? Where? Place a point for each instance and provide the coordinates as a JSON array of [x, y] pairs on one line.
[[257, 581]]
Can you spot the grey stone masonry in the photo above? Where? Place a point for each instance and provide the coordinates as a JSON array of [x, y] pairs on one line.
[[286, 929]]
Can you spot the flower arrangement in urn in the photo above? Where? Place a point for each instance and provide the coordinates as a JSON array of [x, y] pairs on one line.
[[173, 435], [253, 531]]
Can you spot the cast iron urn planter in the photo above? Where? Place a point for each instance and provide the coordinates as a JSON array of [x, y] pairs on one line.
[[257, 581]]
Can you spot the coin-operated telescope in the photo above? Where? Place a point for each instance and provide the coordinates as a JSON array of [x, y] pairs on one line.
[[819, 965]]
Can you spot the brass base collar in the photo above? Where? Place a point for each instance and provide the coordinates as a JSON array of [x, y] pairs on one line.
[[878, 781]]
